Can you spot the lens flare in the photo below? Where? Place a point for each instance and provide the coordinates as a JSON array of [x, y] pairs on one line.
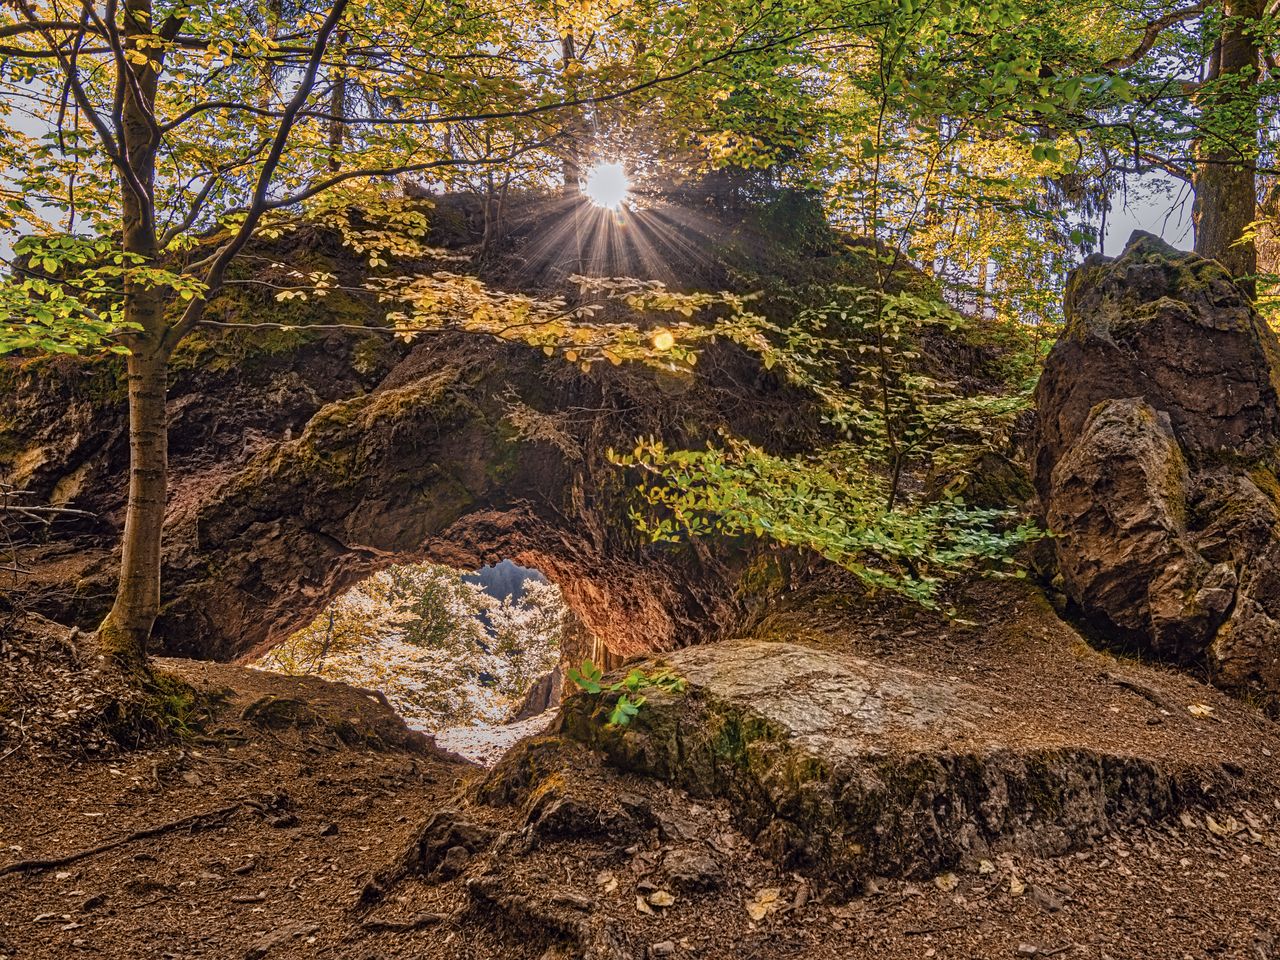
[[607, 186]]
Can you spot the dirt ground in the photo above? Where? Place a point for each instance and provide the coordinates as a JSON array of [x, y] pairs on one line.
[[257, 834]]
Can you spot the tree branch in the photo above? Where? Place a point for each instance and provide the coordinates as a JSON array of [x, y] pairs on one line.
[[1152, 33], [258, 204]]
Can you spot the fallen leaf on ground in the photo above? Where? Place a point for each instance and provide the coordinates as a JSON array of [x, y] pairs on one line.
[[764, 903], [1227, 828]]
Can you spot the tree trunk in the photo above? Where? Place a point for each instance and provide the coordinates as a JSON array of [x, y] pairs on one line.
[[571, 163], [338, 108], [123, 634], [1225, 181]]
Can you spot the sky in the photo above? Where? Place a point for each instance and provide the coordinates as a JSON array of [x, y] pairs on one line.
[[1156, 203]]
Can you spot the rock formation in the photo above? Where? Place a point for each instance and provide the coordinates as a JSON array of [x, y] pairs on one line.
[[1155, 462], [465, 452], [847, 766], [303, 460]]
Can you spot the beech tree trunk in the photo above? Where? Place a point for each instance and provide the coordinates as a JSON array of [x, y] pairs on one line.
[[338, 109], [1225, 182], [123, 635]]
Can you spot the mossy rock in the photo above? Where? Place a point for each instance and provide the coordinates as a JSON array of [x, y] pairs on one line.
[[849, 768]]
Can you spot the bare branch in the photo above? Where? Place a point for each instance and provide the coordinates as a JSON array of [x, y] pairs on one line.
[[1152, 33], [258, 205]]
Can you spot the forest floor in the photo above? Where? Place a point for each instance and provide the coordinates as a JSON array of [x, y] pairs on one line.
[[253, 835]]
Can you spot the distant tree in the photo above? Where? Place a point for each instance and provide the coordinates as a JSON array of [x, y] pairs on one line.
[[441, 649]]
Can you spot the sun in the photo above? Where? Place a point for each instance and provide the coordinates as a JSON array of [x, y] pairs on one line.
[[607, 185]]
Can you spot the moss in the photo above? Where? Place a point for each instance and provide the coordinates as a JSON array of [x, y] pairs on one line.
[[766, 575], [235, 349], [1041, 792], [104, 383], [371, 355], [173, 706], [504, 461], [990, 480], [1264, 478]]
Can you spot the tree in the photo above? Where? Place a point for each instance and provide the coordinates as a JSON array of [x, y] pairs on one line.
[[1226, 186]]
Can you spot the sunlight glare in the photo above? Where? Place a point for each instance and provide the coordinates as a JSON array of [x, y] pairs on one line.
[[607, 185]]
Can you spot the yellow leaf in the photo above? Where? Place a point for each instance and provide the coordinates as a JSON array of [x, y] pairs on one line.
[[764, 903], [1227, 828], [663, 340]]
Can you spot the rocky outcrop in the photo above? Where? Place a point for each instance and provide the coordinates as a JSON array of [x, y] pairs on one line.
[[466, 452], [302, 460], [1155, 462]]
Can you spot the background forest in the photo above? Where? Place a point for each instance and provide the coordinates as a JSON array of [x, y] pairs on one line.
[[444, 650]]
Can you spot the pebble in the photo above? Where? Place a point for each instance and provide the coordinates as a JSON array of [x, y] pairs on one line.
[[664, 948], [691, 869]]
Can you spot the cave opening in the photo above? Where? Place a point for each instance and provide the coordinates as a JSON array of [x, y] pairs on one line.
[[475, 658]]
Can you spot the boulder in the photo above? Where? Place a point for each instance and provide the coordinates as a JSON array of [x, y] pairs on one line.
[[848, 767], [1172, 328], [1154, 462], [1119, 504]]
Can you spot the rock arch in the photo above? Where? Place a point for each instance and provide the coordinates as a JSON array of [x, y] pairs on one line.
[[466, 451]]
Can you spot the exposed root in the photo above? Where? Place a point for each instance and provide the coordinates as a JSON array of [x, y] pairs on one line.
[[205, 819]]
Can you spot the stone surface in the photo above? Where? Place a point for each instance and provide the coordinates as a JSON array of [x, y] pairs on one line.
[[1155, 463], [855, 768]]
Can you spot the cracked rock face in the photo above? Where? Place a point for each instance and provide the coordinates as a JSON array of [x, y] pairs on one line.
[[1155, 463], [854, 768]]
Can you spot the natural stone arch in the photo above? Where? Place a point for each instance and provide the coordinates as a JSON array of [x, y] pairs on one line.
[[302, 460]]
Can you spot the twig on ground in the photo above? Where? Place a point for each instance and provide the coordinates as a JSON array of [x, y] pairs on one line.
[[417, 922]]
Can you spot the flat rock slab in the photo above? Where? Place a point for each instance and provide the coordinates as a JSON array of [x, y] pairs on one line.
[[854, 768]]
